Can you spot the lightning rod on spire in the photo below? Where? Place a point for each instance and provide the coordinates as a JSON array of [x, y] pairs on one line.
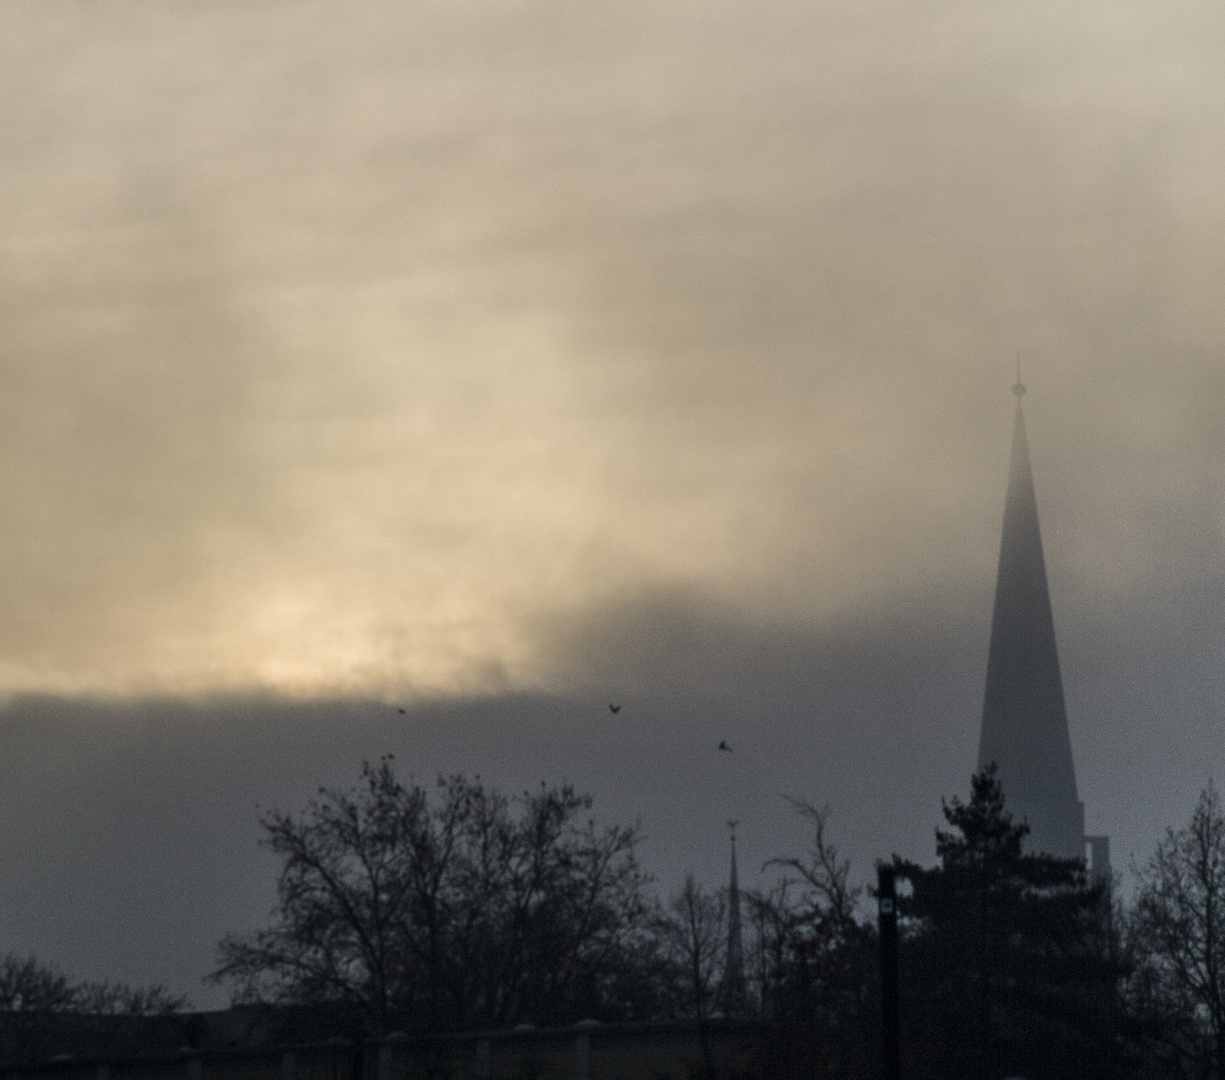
[[1018, 388]]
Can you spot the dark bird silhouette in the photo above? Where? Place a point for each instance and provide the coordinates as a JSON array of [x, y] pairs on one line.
[[403, 712], [723, 746], [613, 708]]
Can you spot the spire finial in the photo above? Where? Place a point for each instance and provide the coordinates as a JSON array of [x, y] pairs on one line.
[[1018, 388], [732, 823]]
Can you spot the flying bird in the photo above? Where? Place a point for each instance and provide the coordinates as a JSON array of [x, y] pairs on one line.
[[723, 746], [403, 712], [613, 708]]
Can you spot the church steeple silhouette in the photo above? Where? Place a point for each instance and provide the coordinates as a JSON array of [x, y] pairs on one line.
[[1025, 722], [733, 993]]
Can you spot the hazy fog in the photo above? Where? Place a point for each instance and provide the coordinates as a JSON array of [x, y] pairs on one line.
[[504, 357]]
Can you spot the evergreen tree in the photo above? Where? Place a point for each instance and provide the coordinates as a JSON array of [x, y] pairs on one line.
[[1008, 956]]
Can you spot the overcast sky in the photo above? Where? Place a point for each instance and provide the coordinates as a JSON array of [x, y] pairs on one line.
[[499, 358]]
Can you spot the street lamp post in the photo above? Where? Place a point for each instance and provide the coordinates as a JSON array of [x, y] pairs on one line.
[[889, 1005]]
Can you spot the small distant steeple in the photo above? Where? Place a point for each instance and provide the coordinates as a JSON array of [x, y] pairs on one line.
[[733, 994]]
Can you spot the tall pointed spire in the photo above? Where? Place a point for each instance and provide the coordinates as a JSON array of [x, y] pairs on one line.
[[1025, 723], [732, 991]]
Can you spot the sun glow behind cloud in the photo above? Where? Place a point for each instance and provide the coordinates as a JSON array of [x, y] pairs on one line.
[[342, 352]]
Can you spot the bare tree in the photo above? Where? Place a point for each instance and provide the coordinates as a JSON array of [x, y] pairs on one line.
[[807, 926], [119, 999], [829, 902], [1178, 933], [692, 930], [467, 909], [26, 986], [38, 1003], [813, 961]]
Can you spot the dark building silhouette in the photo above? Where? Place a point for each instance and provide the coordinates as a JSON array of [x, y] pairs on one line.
[[732, 990], [1025, 723]]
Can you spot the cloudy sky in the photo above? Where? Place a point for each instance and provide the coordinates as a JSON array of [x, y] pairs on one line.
[[496, 358]]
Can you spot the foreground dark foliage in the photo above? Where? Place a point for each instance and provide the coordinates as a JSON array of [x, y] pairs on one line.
[[39, 1004], [465, 911], [1010, 967], [1177, 938], [460, 909], [816, 964]]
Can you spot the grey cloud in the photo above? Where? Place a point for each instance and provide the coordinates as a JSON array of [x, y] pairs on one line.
[[128, 830], [339, 340]]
